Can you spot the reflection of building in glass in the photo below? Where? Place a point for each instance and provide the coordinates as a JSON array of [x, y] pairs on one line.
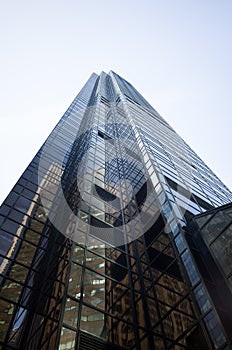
[[112, 238]]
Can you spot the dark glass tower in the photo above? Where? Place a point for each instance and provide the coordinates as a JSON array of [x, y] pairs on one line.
[[94, 249]]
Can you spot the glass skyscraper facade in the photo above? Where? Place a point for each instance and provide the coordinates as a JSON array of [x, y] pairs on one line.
[[100, 239]]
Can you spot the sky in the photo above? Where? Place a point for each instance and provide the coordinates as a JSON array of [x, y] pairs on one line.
[[177, 54]]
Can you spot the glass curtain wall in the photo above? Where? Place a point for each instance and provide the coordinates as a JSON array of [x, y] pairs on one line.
[[110, 265]]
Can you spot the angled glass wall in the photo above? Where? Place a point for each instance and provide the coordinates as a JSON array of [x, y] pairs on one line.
[[210, 239]]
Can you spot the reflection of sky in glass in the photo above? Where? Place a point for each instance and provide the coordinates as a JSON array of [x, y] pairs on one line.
[[19, 318]]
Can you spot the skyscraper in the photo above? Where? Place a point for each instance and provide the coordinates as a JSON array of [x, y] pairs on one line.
[[94, 251]]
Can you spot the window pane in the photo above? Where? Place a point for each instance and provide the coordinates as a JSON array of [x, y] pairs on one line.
[[92, 321], [94, 289], [6, 311], [67, 339], [214, 329], [75, 281], [71, 312], [222, 250]]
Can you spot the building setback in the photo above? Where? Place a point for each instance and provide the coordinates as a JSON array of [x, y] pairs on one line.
[[101, 247]]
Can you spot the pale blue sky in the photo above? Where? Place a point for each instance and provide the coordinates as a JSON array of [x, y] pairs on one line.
[[177, 53]]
